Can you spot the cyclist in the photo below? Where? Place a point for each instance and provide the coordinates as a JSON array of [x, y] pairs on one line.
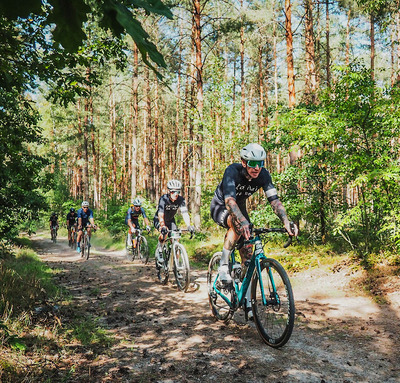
[[71, 221], [228, 206], [132, 219], [164, 218], [53, 223], [85, 219]]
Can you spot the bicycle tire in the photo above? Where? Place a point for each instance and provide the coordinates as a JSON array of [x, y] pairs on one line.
[[181, 267], [163, 272], [129, 251], [143, 249], [87, 246], [219, 307], [74, 241], [275, 319], [83, 246]]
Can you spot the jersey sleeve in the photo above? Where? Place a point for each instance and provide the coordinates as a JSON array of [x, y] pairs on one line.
[[143, 213], [182, 205], [228, 182], [269, 188], [161, 205]]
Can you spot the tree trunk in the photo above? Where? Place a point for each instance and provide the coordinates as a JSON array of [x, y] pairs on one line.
[[134, 119], [261, 123], [150, 145], [242, 82], [275, 59], [310, 79], [372, 38], [199, 136], [289, 54], [86, 127], [348, 38], [328, 48], [157, 149], [113, 134]]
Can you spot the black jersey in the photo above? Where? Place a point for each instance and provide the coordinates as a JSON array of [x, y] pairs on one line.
[[53, 219], [71, 219], [169, 208], [236, 185]]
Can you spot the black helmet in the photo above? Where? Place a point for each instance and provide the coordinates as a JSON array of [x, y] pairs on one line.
[[72, 210], [53, 214]]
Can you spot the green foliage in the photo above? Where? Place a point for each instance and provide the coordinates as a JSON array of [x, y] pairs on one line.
[[24, 282], [346, 144], [19, 173], [89, 333], [69, 18]]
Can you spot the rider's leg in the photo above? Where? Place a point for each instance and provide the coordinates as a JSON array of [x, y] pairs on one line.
[[134, 236], [231, 238], [78, 240], [129, 237]]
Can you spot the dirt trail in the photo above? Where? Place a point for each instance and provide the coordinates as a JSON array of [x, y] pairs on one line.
[[168, 336]]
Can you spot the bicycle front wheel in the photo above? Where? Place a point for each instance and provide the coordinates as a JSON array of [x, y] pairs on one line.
[[272, 303], [163, 269], [219, 307], [181, 267], [143, 249], [129, 251], [87, 247]]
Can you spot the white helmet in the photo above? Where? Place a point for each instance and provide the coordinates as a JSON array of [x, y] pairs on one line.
[[253, 152], [85, 203], [137, 202], [174, 185]]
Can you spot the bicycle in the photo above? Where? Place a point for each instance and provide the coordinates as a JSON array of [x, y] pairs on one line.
[[85, 244], [272, 298], [179, 260], [53, 232], [141, 250]]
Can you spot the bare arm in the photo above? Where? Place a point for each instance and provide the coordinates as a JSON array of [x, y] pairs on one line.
[[280, 211], [241, 224], [161, 219]]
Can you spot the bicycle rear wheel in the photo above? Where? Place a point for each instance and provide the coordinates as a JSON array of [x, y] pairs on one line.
[[181, 267], [219, 307], [274, 318], [143, 249]]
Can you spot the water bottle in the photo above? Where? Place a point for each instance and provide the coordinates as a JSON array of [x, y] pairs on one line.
[[236, 272], [258, 247]]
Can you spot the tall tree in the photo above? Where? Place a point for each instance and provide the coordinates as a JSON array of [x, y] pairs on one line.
[[289, 54]]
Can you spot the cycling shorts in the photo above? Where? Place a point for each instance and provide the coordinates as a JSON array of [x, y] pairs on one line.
[[219, 213], [171, 225], [135, 223]]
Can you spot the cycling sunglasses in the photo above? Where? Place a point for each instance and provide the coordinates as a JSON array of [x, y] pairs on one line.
[[254, 163], [175, 191]]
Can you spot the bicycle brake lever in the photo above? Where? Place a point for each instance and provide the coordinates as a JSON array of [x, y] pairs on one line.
[[288, 242]]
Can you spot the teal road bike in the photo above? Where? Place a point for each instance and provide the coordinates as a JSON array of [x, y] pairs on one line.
[[272, 298]]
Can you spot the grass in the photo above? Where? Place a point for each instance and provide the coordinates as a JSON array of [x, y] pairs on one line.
[[28, 335]]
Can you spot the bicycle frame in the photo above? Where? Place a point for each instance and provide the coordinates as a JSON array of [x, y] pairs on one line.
[[258, 255]]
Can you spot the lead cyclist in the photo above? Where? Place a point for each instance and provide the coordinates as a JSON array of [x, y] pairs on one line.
[[228, 206]]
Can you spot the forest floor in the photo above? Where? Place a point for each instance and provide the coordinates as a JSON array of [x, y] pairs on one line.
[[155, 333]]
